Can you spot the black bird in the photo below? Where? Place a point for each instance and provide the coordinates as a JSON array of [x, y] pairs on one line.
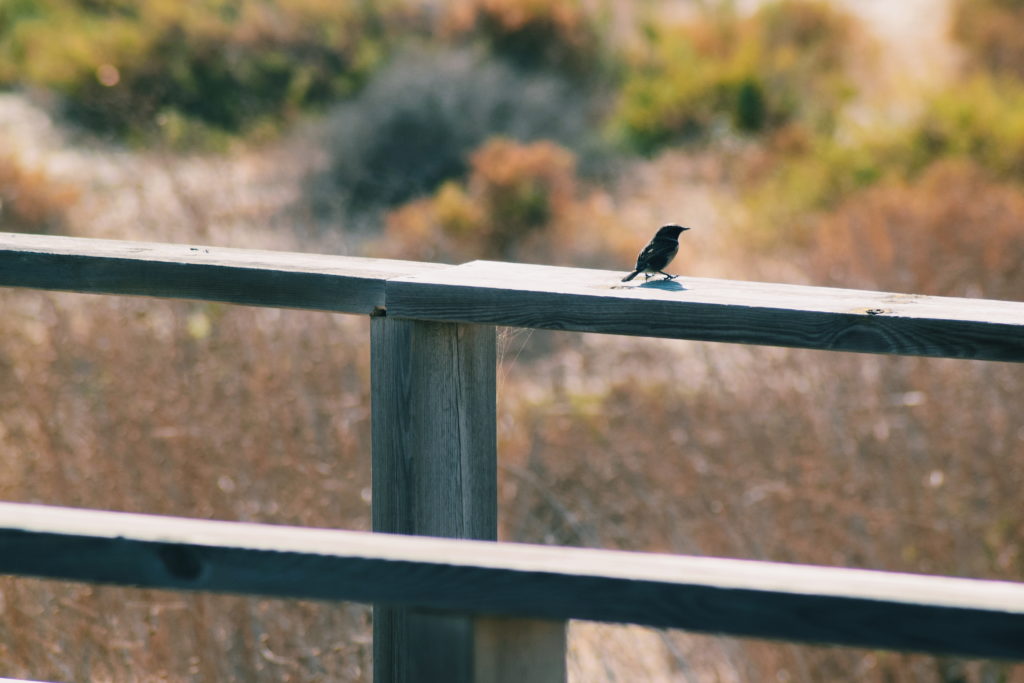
[[658, 253]]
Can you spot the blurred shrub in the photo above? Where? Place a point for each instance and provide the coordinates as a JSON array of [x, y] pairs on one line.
[[982, 119], [795, 175], [13, 11], [514, 195], [416, 123], [783, 64], [990, 31], [531, 34], [30, 200], [954, 231], [130, 68]]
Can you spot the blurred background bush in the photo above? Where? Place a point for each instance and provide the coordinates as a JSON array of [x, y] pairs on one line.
[[989, 31], [725, 72], [514, 197], [532, 34], [417, 123], [797, 137], [186, 72], [30, 200]]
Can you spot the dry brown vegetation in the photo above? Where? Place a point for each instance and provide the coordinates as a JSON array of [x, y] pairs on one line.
[[236, 413], [530, 33], [187, 409], [990, 30], [520, 202], [952, 232], [30, 200], [515, 195]]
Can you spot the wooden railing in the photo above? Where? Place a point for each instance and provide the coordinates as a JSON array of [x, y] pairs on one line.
[[466, 610]]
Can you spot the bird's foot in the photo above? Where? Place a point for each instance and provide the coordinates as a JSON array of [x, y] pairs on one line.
[[670, 277]]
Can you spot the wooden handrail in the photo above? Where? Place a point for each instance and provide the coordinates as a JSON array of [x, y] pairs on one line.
[[738, 597], [522, 295], [342, 284], [708, 309]]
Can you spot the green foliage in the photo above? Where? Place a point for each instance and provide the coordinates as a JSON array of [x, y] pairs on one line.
[[133, 68], [981, 120], [676, 99], [784, 194], [751, 112], [12, 11], [782, 65]]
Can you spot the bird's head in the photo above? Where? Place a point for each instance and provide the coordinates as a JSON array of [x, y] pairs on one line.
[[671, 231]]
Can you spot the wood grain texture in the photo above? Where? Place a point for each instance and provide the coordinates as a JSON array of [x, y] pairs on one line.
[[548, 297], [241, 276], [792, 602], [434, 430], [523, 295], [434, 473]]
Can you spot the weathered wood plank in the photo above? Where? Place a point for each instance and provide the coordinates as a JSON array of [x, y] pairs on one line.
[[527, 296], [241, 276], [548, 297], [745, 598], [434, 428], [434, 473]]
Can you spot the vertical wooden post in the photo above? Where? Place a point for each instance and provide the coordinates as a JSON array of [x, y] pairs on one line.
[[434, 429], [435, 474]]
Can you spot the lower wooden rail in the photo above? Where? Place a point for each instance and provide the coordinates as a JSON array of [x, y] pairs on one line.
[[486, 579]]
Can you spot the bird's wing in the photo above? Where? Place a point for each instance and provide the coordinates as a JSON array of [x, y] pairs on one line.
[[645, 255], [657, 248]]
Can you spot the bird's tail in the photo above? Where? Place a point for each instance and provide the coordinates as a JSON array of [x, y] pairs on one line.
[[631, 276]]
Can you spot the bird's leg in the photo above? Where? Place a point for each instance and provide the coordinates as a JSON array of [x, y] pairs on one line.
[[647, 276], [667, 276]]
